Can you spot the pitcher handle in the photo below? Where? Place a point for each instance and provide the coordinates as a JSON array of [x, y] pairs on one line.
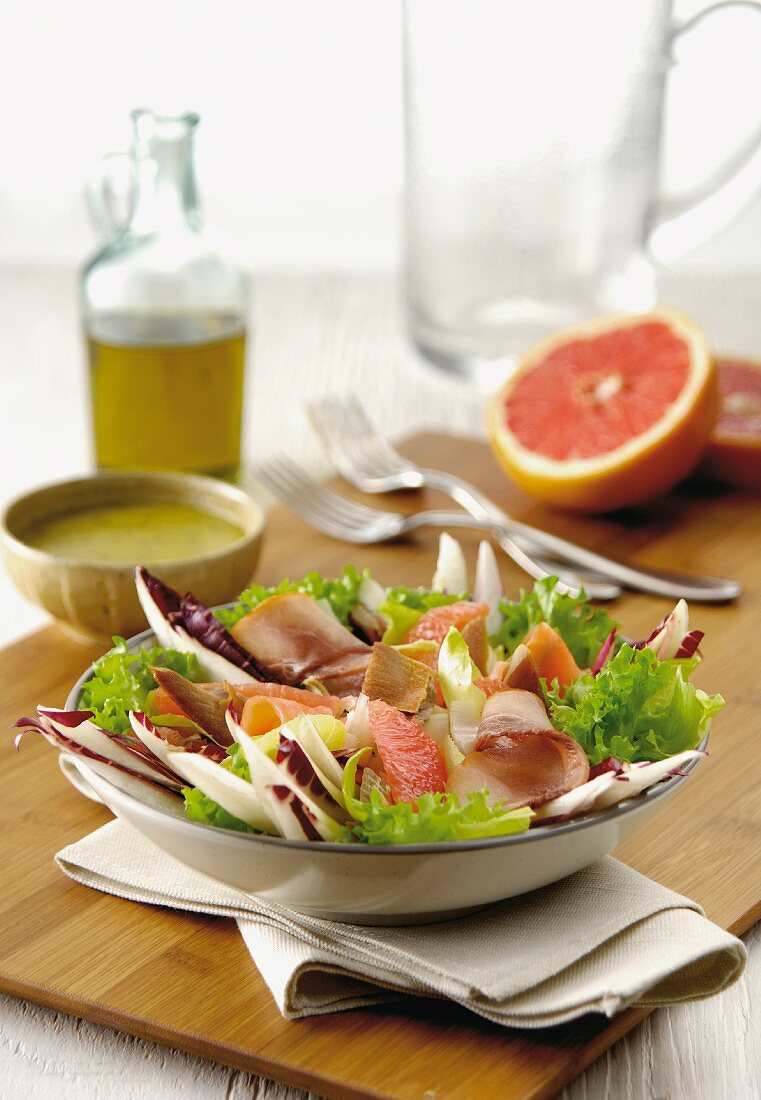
[[105, 197], [681, 225]]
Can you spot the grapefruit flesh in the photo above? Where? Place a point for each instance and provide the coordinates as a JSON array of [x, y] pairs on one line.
[[412, 760], [607, 414], [734, 450], [433, 625]]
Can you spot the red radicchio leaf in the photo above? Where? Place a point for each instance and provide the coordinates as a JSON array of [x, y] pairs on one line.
[[73, 718], [301, 812], [200, 624], [689, 643], [609, 764], [166, 599], [189, 740], [188, 614], [605, 652], [31, 725]]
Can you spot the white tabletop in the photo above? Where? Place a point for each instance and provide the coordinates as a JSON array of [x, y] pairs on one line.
[[313, 332]]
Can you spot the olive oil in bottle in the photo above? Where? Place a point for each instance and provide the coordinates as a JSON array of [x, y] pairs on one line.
[[167, 391], [164, 315]]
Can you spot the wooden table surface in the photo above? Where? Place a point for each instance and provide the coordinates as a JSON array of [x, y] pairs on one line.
[[313, 332]]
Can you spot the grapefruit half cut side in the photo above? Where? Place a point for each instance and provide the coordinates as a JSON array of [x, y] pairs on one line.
[[734, 449], [609, 413]]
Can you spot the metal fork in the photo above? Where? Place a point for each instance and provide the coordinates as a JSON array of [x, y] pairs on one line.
[[366, 459], [353, 522]]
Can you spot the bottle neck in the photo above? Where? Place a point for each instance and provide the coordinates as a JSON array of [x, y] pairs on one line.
[[165, 193]]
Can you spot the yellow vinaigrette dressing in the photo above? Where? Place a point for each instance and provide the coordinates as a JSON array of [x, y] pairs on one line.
[[152, 531], [167, 391]]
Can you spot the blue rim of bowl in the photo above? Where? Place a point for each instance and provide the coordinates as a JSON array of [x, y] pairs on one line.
[[598, 817]]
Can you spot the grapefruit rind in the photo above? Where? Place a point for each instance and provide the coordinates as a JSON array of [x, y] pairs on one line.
[[646, 465]]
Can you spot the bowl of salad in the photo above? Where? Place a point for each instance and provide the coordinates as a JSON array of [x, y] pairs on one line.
[[385, 754]]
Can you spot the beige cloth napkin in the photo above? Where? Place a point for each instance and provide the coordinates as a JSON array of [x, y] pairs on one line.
[[599, 941]]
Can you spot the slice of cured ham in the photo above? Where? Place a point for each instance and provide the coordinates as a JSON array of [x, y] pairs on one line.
[[519, 757], [396, 679], [293, 638], [512, 710], [200, 706], [519, 672]]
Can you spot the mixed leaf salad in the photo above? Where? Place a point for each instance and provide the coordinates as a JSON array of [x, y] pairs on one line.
[[342, 710]]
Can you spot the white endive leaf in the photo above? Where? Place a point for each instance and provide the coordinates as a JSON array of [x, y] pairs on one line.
[[488, 585], [451, 571]]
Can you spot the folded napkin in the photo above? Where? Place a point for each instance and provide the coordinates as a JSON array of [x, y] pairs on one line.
[[599, 941]]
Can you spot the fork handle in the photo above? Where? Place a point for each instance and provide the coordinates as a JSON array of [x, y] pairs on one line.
[[699, 588]]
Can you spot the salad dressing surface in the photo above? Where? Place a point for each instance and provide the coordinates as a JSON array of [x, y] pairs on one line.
[[155, 531]]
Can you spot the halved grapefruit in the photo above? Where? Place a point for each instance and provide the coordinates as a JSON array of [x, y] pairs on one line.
[[609, 413], [734, 449]]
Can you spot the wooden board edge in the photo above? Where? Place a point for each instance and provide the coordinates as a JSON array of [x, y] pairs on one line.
[[197, 1045], [188, 1042]]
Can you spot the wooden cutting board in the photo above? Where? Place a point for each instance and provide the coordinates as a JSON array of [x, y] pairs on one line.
[[187, 981]]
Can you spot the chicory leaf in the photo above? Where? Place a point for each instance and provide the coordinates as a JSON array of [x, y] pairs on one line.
[[463, 699]]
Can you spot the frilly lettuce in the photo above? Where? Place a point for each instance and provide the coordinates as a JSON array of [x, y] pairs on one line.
[[122, 681], [582, 627], [636, 708], [431, 819]]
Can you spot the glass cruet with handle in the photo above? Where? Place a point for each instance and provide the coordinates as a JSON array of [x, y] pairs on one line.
[[164, 312]]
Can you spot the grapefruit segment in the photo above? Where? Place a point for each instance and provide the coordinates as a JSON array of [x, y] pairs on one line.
[[609, 413], [433, 625], [734, 450], [412, 760]]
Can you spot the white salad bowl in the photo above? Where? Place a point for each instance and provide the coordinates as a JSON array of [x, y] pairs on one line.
[[400, 884]]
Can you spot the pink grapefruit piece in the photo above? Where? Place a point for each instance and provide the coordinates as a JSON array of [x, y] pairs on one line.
[[433, 625], [412, 760], [734, 450]]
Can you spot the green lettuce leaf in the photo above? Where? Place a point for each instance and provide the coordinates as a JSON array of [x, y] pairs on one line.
[[341, 594], [122, 681], [199, 807], [403, 607], [432, 818], [421, 599], [636, 708], [582, 627]]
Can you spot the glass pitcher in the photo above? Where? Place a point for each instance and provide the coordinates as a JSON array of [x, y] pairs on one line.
[[533, 143], [164, 314]]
